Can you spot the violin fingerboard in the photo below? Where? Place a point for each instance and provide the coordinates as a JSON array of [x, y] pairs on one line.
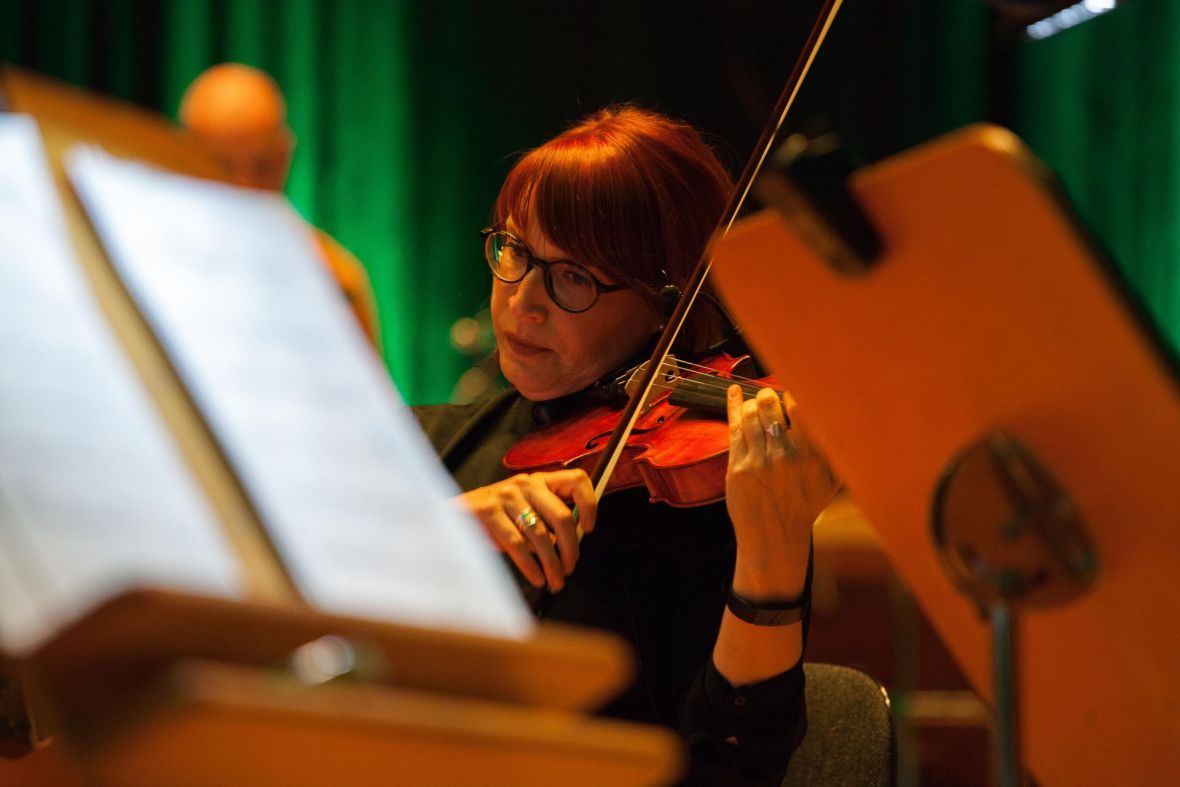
[[707, 394]]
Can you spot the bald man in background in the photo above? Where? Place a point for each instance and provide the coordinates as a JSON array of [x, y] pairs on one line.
[[238, 114]]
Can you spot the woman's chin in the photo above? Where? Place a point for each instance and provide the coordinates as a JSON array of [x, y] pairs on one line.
[[535, 388], [538, 393]]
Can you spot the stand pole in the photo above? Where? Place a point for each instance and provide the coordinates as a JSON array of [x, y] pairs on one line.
[[1006, 735], [1009, 537]]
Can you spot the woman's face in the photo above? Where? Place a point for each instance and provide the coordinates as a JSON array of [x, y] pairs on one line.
[[548, 352]]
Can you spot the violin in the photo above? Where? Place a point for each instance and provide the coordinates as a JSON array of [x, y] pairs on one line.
[[678, 447]]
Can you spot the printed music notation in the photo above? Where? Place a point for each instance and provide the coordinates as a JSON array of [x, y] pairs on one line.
[[93, 494], [345, 483]]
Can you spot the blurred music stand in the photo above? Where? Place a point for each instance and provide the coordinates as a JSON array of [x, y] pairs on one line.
[[989, 331], [157, 687]]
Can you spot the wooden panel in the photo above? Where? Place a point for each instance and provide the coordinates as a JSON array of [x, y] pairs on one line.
[[92, 665], [211, 724], [986, 311]]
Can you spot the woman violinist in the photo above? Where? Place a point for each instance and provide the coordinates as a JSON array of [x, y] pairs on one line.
[[589, 228]]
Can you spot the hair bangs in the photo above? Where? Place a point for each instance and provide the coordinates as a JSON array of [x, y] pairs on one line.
[[585, 193]]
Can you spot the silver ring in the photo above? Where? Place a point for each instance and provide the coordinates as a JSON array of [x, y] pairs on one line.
[[775, 429], [527, 519]]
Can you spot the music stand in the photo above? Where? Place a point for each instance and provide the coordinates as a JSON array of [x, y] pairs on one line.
[[157, 687], [988, 315]]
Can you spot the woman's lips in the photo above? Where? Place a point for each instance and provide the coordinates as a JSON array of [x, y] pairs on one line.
[[520, 347]]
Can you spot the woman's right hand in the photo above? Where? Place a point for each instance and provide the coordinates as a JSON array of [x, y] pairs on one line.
[[528, 516]]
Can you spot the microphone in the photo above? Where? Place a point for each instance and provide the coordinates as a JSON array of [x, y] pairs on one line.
[[669, 297]]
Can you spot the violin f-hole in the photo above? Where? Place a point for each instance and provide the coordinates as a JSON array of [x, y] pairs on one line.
[[592, 443]]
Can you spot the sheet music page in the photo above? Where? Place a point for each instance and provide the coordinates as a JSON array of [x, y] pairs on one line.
[[94, 496], [348, 487]]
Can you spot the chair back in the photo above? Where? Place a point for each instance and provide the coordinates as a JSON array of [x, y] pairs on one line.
[[850, 738]]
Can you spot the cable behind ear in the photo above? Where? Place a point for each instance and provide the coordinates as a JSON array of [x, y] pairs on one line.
[[669, 297]]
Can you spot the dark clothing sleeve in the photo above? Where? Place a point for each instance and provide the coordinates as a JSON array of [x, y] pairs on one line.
[[743, 735], [655, 576]]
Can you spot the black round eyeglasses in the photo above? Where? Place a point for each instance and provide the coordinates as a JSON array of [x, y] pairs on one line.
[[571, 286]]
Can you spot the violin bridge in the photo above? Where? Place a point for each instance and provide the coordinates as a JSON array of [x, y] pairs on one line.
[[667, 380]]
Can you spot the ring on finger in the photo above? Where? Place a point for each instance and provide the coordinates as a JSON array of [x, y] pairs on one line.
[[527, 520], [774, 429]]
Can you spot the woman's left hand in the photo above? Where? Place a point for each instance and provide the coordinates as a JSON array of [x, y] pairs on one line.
[[776, 484]]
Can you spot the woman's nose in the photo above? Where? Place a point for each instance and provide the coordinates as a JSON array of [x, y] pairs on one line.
[[531, 298]]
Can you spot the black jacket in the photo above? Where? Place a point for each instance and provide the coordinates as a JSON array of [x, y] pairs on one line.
[[656, 576]]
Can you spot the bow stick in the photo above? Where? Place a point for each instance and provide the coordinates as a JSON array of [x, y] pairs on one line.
[[618, 439]]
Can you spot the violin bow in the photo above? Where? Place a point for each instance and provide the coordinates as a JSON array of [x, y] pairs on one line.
[[539, 598], [630, 414]]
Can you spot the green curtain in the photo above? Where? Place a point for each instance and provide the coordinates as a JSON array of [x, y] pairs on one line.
[[366, 168], [408, 114], [1100, 103], [343, 67]]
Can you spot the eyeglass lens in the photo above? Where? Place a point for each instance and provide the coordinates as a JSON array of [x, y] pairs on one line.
[[570, 285]]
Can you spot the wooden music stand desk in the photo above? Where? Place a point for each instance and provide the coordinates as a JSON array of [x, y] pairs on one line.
[[163, 688], [987, 312], [154, 687]]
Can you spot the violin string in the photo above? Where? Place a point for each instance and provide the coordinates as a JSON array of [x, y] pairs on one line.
[[711, 377], [661, 387], [721, 389], [712, 380], [709, 372], [714, 373]]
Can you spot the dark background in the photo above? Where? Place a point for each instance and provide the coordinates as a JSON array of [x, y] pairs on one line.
[[408, 114]]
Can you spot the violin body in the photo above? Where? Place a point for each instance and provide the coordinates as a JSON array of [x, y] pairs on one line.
[[678, 452]]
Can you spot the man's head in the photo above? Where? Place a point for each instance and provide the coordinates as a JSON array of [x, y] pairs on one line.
[[238, 114]]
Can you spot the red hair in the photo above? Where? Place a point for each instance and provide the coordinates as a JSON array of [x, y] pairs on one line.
[[630, 192]]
